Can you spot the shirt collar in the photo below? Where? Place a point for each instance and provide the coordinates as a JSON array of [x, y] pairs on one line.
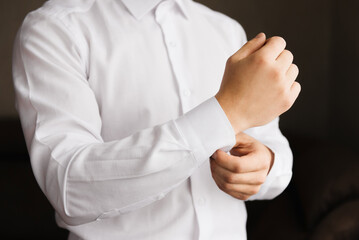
[[139, 8]]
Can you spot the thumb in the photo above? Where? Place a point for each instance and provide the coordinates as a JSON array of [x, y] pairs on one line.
[[243, 145], [250, 47], [220, 155], [243, 140], [240, 151]]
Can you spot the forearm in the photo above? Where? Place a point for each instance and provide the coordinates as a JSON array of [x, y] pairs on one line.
[[93, 180], [87, 179]]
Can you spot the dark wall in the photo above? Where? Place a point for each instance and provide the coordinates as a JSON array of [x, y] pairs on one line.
[[344, 85], [11, 15]]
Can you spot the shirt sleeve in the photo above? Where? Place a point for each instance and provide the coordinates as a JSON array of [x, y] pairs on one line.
[[281, 172], [85, 178]]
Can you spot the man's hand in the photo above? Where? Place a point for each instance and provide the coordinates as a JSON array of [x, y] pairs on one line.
[[259, 83], [242, 173]]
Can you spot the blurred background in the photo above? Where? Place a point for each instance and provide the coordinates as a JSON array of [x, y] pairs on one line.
[[322, 200]]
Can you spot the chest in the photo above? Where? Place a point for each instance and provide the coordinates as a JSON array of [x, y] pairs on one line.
[[146, 73]]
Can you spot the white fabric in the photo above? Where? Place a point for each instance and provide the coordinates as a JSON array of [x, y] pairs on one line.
[[116, 102]]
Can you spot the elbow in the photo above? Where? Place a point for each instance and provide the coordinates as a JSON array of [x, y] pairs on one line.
[[73, 213], [74, 210], [74, 220]]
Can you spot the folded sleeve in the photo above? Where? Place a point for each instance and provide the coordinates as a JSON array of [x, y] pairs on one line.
[[84, 177]]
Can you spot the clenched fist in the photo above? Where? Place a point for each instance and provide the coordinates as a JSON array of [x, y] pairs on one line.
[[259, 83], [242, 173]]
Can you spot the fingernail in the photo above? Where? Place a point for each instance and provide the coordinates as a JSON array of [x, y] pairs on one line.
[[214, 156], [259, 35]]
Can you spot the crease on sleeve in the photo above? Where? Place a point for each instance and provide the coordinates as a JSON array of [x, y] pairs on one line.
[[206, 128]]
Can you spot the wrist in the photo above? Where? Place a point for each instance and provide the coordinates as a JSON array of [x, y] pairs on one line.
[[238, 123]]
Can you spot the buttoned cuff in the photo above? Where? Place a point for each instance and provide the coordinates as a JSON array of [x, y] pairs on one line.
[[275, 170], [205, 129], [277, 179]]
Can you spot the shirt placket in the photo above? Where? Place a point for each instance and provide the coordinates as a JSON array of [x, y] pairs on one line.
[[172, 37], [165, 19]]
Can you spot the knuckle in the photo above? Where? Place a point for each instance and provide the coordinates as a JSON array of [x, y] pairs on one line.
[[279, 40], [213, 170], [212, 166], [240, 196], [221, 161], [227, 186], [261, 60], [213, 173], [254, 190], [277, 74], [217, 162], [282, 90], [287, 103], [243, 197], [261, 180], [230, 61], [297, 86], [237, 168], [220, 186], [295, 67], [230, 178], [251, 191], [289, 53], [265, 164]]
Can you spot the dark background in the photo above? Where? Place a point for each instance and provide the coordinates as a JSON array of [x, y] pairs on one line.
[[323, 36]]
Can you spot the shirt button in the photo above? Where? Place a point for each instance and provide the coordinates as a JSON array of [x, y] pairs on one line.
[[201, 201], [160, 196], [172, 44], [186, 93]]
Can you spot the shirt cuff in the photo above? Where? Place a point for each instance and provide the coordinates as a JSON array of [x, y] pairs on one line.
[[273, 173], [278, 169], [205, 129], [277, 180]]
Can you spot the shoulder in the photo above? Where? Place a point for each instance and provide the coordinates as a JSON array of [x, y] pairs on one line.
[[48, 28], [205, 11], [57, 9], [52, 16], [63, 7], [221, 21]]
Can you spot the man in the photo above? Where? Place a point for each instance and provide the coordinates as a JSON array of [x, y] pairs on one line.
[[121, 112]]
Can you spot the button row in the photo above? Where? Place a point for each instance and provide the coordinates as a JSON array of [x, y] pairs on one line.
[[186, 92], [172, 44], [201, 201]]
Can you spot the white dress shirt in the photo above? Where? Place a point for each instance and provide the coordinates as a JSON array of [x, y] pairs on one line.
[[116, 103]]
